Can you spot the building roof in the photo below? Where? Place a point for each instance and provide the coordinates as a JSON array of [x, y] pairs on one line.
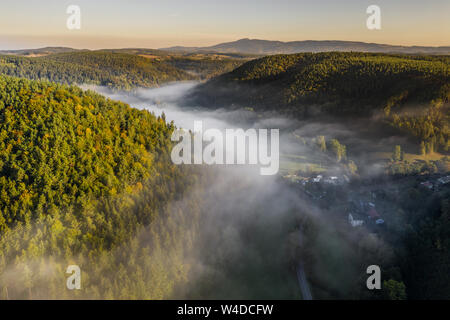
[[427, 184], [444, 180], [373, 213]]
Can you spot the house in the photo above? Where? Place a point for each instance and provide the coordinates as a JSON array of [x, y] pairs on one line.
[[444, 180], [318, 178], [427, 184], [354, 223], [332, 180], [373, 214]]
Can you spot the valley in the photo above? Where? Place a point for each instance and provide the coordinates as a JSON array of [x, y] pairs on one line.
[[86, 176]]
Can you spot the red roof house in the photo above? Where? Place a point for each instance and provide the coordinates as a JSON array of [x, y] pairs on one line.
[[373, 213]]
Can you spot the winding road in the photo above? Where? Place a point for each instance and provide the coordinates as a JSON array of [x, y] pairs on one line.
[[301, 276]]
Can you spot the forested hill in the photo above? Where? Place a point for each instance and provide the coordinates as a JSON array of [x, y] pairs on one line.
[[60, 145], [115, 70], [411, 92], [81, 175], [335, 81]]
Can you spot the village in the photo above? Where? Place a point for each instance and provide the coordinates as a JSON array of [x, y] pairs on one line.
[[371, 205], [435, 184]]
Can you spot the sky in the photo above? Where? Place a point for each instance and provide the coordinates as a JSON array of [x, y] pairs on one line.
[[163, 23]]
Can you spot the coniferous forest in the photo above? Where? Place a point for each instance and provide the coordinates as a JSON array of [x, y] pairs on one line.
[[411, 93], [86, 179]]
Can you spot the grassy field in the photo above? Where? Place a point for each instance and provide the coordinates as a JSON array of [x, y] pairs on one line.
[[290, 164], [409, 156]]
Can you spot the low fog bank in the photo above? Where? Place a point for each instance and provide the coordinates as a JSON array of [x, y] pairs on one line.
[[363, 137], [170, 100], [248, 242]]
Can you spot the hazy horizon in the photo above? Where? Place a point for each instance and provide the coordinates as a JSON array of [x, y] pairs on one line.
[[212, 44], [159, 24]]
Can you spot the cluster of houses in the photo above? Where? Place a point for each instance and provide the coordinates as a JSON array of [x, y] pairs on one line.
[[436, 184], [321, 180], [363, 208], [329, 180]]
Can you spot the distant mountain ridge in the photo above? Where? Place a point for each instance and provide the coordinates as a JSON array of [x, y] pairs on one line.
[[38, 52], [265, 47], [259, 47]]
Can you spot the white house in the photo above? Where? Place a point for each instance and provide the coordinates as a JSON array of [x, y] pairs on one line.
[[354, 223]]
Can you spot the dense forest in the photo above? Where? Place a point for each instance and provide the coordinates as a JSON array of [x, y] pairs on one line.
[[124, 69], [205, 67], [87, 181], [423, 243], [412, 93], [342, 83], [115, 70]]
